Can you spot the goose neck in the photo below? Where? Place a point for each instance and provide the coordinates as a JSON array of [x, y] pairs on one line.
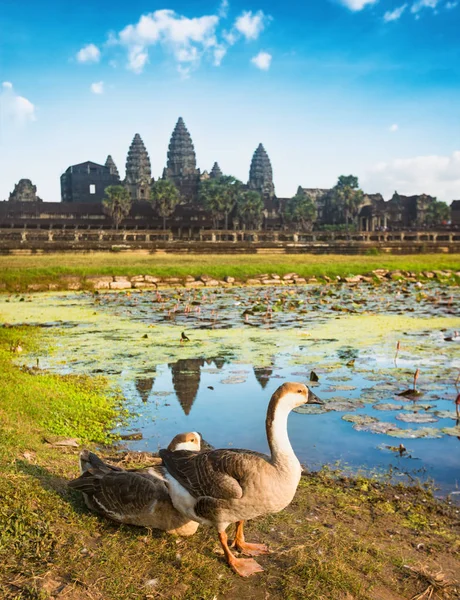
[[277, 433]]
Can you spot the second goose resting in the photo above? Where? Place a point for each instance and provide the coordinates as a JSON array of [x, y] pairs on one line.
[[136, 497], [220, 487]]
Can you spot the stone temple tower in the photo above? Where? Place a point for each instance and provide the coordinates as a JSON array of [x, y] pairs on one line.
[[138, 170], [215, 171], [261, 174], [110, 164], [181, 166]]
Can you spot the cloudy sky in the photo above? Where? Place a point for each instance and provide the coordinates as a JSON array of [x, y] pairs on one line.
[[330, 87]]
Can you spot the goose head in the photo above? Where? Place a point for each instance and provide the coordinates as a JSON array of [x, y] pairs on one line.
[[186, 441], [291, 395]]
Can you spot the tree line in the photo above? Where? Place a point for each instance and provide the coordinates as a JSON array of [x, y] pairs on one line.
[[226, 197]]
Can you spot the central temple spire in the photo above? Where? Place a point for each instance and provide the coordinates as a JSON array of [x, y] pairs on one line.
[[181, 166]]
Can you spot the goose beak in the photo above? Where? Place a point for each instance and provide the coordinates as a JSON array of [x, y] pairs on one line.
[[313, 398]]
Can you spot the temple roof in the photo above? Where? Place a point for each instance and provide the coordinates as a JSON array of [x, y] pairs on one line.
[[110, 164], [181, 152], [138, 169], [216, 171], [261, 174]]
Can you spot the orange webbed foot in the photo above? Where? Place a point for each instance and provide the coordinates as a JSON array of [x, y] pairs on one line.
[[252, 549], [245, 567]]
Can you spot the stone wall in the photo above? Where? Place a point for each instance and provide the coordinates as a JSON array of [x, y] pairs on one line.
[[58, 240]]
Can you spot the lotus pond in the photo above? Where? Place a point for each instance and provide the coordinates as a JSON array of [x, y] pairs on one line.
[[244, 342]]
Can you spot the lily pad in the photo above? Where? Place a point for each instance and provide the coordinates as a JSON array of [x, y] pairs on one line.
[[388, 406], [233, 379], [417, 418], [446, 414], [309, 409], [423, 432], [410, 393], [360, 419], [343, 405], [379, 427], [455, 431]]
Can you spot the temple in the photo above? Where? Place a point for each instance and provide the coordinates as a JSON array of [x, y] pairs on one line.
[[24, 191], [215, 171], [138, 177], [181, 166], [261, 174], [83, 186], [86, 182]]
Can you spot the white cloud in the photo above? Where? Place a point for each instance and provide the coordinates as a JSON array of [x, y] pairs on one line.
[[394, 15], [223, 9], [356, 5], [186, 39], [394, 127], [250, 25], [14, 108], [262, 61], [89, 54], [97, 87], [219, 53], [421, 4], [435, 175], [451, 5]]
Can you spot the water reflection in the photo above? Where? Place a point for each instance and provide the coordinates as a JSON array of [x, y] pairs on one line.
[[144, 387], [263, 375], [186, 375]]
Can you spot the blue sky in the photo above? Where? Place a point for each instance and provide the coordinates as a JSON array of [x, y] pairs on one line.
[[369, 87]]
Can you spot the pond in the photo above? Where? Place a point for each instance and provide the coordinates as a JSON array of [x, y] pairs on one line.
[[244, 342]]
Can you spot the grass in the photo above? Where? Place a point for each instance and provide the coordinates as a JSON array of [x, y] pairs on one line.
[[341, 538], [18, 271]]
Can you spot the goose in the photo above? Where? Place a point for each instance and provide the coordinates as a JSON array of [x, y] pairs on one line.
[[135, 497], [220, 487]]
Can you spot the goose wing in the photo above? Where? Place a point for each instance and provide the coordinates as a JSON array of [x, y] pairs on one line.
[[120, 493], [216, 473]]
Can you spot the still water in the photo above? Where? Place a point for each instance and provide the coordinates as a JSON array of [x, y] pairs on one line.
[[245, 342]]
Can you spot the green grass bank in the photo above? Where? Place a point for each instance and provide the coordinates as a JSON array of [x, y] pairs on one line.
[[340, 539], [19, 271]]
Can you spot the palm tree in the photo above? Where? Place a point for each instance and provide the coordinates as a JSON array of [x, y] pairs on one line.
[[347, 197], [164, 197], [210, 196], [249, 209], [230, 190], [117, 203], [300, 210]]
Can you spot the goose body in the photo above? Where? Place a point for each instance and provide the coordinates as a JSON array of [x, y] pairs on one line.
[[220, 487], [134, 497]]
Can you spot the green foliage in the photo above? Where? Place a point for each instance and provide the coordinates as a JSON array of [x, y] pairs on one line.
[[250, 209], [345, 199], [68, 406], [437, 213], [164, 197], [300, 211], [19, 271], [220, 196], [117, 203]]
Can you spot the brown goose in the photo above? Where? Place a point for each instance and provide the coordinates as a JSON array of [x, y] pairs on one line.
[[220, 487], [135, 497]]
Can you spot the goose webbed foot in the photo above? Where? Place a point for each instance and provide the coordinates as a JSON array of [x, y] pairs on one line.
[[245, 567], [244, 547]]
